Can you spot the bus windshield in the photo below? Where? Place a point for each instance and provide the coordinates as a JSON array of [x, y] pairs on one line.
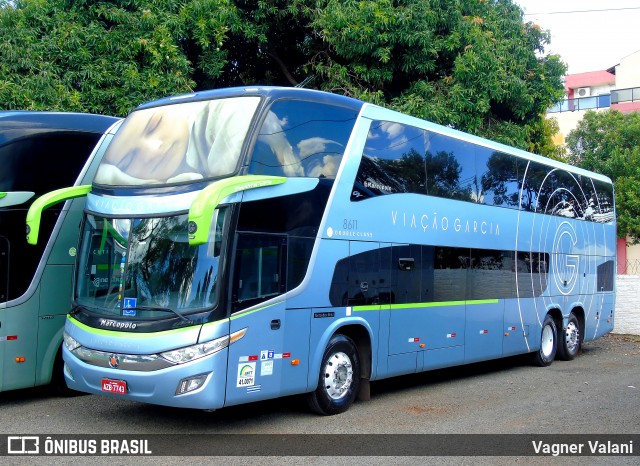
[[178, 143], [145, 267]]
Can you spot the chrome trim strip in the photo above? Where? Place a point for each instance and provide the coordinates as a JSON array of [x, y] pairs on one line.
[[125, 362]]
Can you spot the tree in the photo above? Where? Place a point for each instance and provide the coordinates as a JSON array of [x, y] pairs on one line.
[[609, 143], [473, 65], [469, 64], [107, 56]]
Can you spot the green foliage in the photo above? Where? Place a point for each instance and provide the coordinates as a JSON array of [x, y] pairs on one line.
[[469, 64], [106, 56], [609, 143], [474, 65]]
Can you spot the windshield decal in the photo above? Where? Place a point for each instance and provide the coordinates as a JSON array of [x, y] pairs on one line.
[[177, 143]]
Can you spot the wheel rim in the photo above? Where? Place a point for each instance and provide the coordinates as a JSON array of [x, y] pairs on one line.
[[338, 375], [571, 335], [546, 347]]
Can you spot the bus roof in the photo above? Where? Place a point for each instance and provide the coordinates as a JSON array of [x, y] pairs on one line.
[[368, 111], [18, 123], [264, 91]]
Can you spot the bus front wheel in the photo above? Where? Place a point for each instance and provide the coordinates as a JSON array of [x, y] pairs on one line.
[[569, 339], [339, 378], [548, 343], [58, 382]]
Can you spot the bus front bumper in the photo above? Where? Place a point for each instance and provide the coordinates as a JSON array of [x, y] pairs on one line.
[[206, 377]]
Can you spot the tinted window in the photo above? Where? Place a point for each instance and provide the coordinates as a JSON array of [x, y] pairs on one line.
[[37, 163], [533, 270], [605, 273], [604, 211], [299, 138], [399, 158], [500, 176], [451, 168], [294, 220], [407, 274], [534, 189], [259, 271], [297, 214], [44, 162]]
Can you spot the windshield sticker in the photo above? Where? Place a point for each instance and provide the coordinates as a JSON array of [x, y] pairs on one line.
[[248, 358], [266, 367], [129, 304], [246, 374], [178, 143]]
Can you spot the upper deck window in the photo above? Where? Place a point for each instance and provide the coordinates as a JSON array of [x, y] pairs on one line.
[[301, 138], [177, 143], [399, 158]]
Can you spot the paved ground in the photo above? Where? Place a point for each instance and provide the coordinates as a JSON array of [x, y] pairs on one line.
[[598, 393]]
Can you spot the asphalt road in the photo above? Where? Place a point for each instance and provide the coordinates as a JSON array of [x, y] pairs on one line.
[[597, 393]]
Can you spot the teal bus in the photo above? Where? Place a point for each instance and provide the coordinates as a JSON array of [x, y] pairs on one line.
[[249, 243], [39, 151]]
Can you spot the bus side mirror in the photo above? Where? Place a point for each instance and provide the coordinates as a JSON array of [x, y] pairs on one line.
[[201, 211], [44, 202]]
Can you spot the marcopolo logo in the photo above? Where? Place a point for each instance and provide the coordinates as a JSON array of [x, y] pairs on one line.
[[109, 323]]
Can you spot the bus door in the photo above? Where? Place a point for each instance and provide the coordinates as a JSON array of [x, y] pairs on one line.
[[256, 361]]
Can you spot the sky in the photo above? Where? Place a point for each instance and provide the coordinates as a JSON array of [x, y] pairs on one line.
[[594, 35]]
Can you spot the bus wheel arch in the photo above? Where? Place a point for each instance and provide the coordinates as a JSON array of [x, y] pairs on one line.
[[570, 336], [546, 353], [345, 367]]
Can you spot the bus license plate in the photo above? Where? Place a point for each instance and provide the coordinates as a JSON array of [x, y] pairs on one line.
[[114, 386]]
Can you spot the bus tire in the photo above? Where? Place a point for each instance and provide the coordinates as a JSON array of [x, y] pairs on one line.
[[339, 378], [58, 382], [548, 343], [569, 339]]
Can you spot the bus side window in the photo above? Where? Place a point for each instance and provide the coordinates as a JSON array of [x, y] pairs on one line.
[[260, 269], [406, 274]]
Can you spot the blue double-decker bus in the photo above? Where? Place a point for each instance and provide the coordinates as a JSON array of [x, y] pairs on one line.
[[249, 243]]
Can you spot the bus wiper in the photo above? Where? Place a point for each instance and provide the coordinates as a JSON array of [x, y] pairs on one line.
[[153, 308]]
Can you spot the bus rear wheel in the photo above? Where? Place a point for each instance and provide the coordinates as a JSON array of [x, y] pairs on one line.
[[339, 378], [548, 343], [569, 339]]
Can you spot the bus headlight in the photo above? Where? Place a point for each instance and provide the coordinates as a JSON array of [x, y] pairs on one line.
[[189, 353], [70, 342]]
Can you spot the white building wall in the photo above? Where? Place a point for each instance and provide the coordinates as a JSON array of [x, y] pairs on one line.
[[628, 71], [627, 318]]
